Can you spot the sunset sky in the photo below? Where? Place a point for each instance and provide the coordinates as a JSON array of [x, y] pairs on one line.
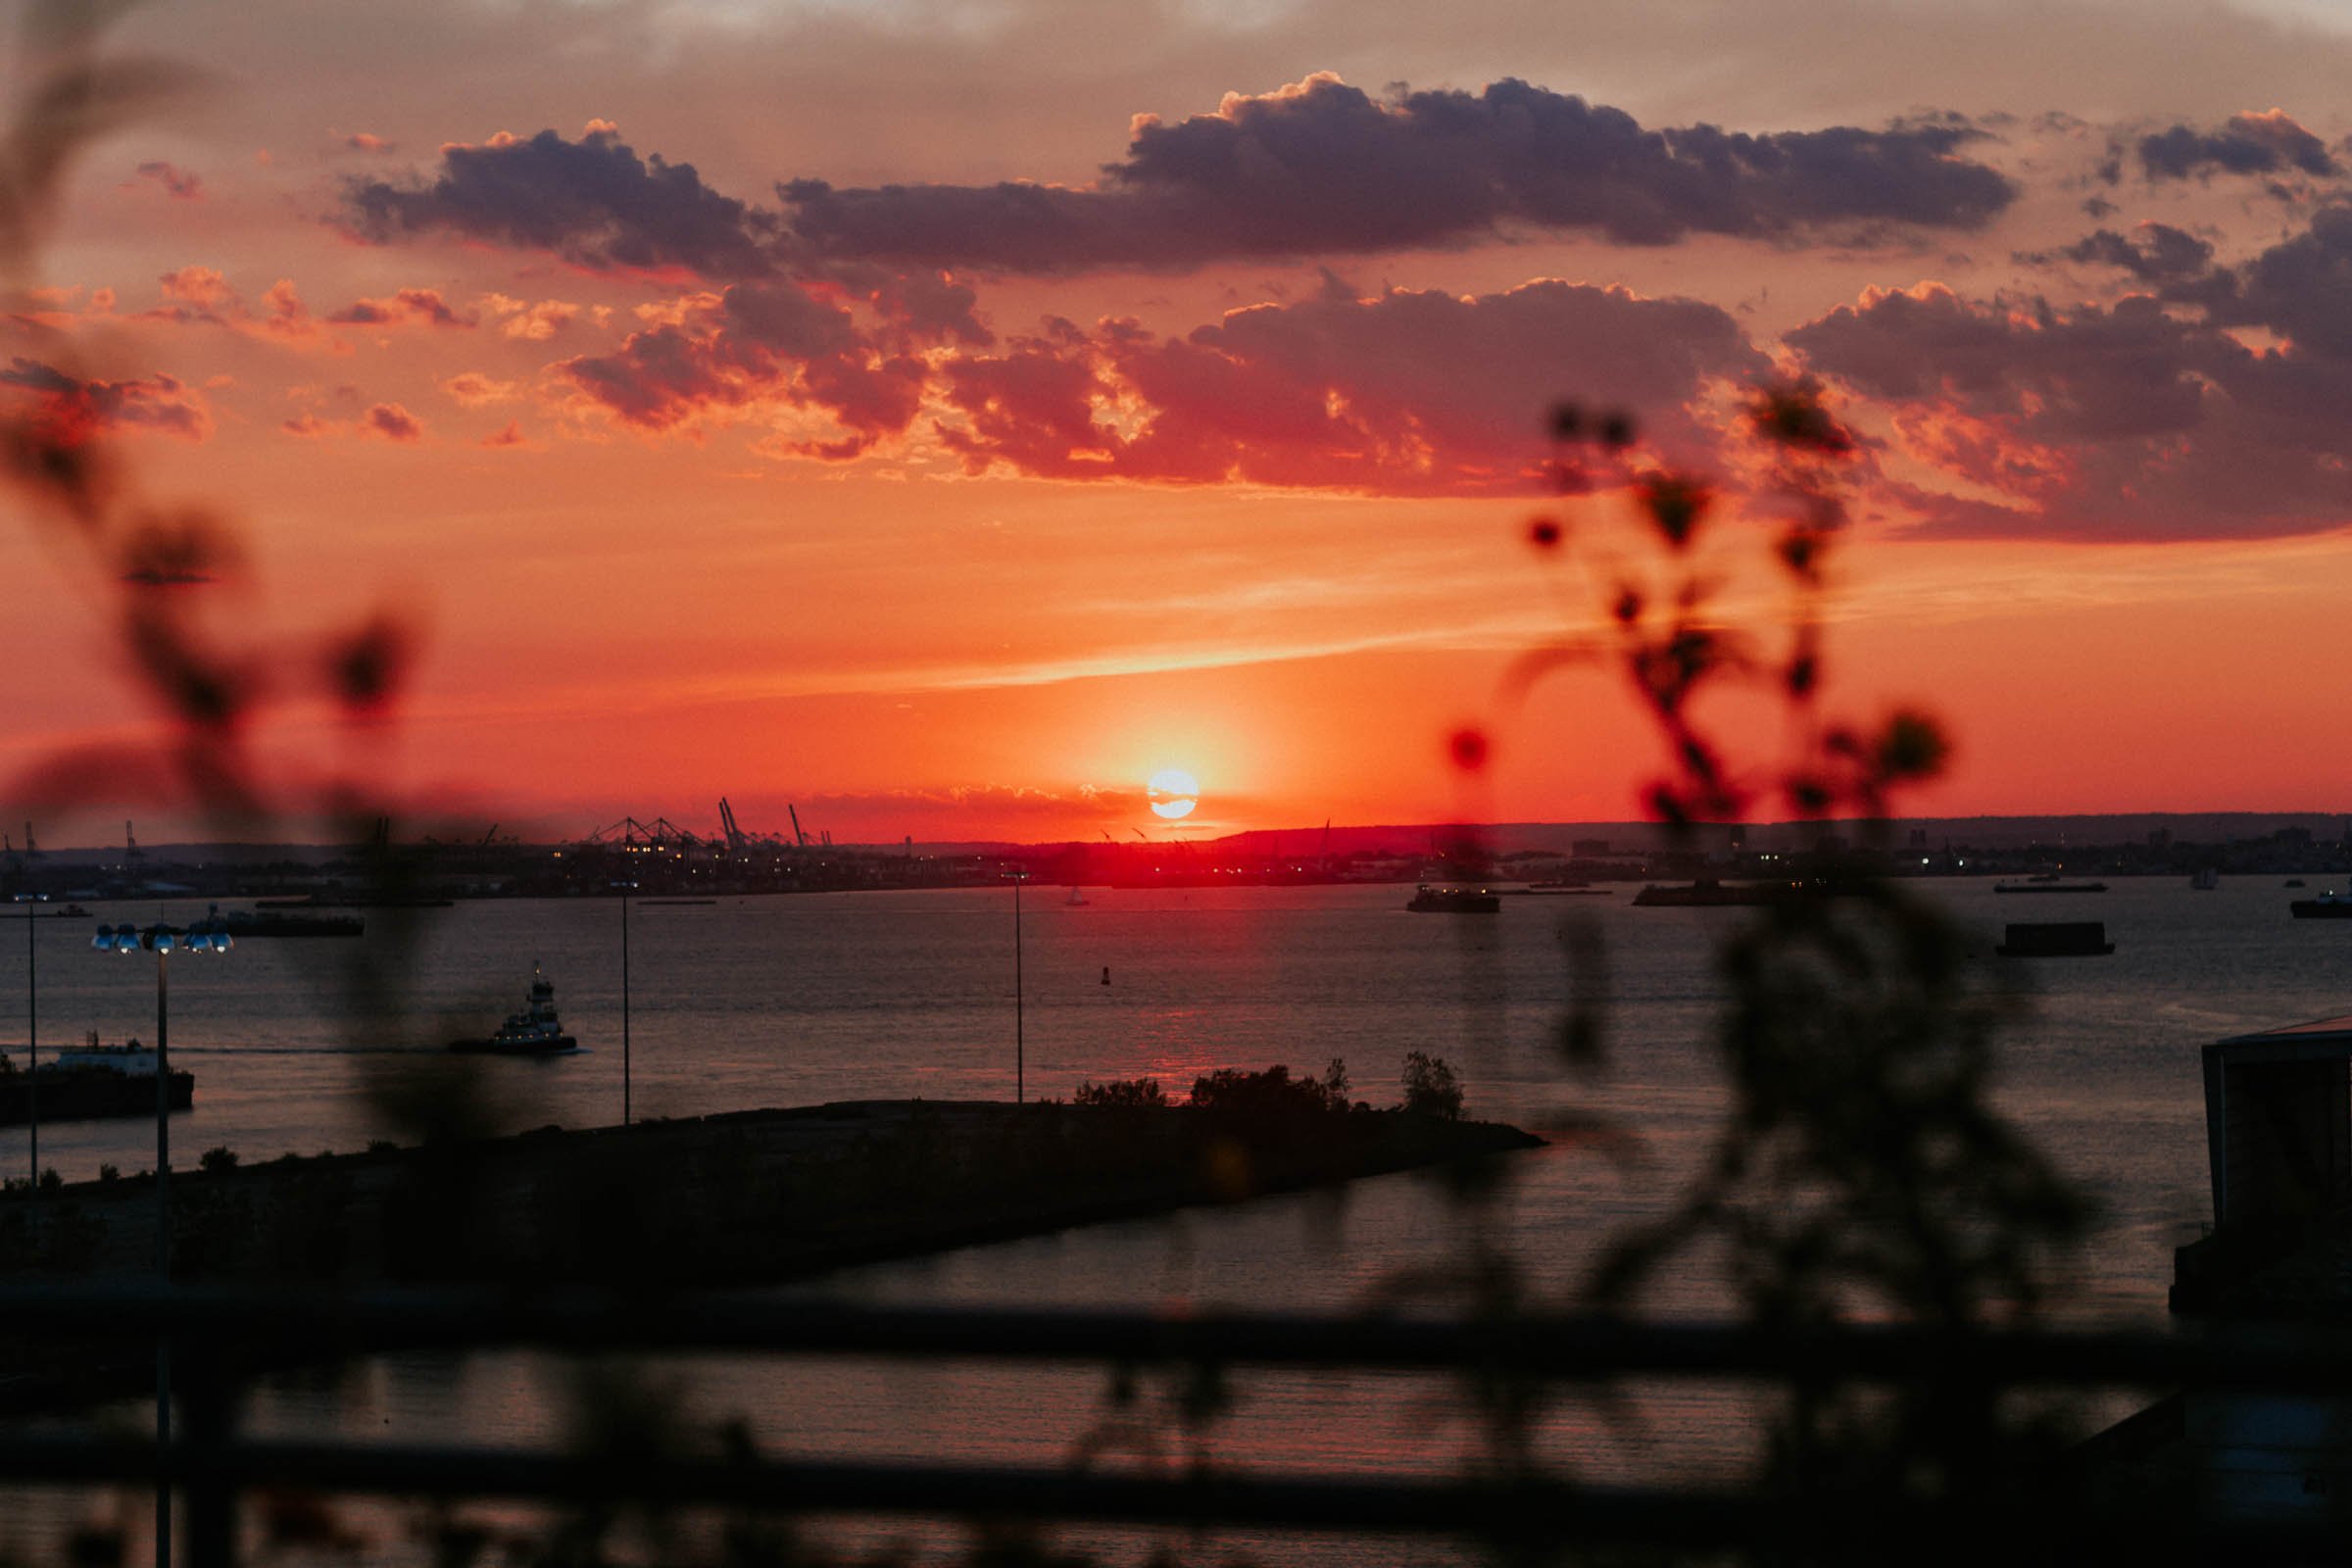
[[944, 414]]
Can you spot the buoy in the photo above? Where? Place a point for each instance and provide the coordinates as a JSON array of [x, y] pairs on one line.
[[1107, 974]]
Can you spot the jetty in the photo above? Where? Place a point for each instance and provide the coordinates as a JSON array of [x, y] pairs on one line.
[[742, 1199]]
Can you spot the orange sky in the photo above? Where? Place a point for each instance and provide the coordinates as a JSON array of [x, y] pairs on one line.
[[953, 508]]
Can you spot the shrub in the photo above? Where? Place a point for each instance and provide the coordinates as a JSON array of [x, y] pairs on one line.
[[217, 1161], [1271, 1094], [1432, 1088], [1125, 1094], [51, 1181], [107, 1175]]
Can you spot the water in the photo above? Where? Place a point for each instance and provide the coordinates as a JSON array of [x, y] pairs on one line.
[[798, 999]]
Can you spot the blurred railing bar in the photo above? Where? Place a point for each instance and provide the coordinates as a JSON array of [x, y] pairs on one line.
[[1551, 1513], [293, 1322]]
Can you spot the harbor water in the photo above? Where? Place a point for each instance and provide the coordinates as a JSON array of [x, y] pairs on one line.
[[794, 1001]]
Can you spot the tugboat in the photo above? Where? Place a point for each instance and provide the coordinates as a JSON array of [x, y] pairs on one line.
[[2326, 907], [532, 1032]]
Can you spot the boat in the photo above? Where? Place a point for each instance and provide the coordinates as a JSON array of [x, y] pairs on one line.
[[2206, 880], [2048, 884], [282, 924], [535, 1031], [1707, 894], [85, 1082], [2056, 938], [2294, 881], [2326, 907], [1077, 897], [1429, 899]]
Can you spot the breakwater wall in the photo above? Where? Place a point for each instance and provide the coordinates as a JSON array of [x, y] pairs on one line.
[[750, 1198]]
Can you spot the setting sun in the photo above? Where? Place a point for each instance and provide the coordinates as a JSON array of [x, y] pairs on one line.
[[1173, 793]]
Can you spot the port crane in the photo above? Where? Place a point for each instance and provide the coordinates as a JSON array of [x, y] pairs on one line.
[[630, 834], [737, 843]]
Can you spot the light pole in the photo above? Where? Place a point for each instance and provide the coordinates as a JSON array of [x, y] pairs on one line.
[[625, 889], [1019, 1044], [33, 1014], [204, 936]]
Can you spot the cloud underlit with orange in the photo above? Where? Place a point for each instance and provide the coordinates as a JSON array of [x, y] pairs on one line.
[[947, 418]]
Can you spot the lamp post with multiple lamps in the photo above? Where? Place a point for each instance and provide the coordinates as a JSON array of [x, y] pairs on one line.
[[29, 914], [625, 889], [204, 936]]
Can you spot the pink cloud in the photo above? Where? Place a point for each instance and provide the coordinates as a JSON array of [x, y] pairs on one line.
[[1403, 393], [418, 305], [77, 408], [472, 389]]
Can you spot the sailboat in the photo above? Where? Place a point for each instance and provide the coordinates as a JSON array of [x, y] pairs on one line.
[[1077, 896]]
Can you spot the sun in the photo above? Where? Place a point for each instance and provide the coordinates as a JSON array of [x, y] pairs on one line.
[[1173, 793]]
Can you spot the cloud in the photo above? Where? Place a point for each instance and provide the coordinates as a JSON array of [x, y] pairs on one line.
[[777, 343], [510, 436], [287, 316], [1318, 167], [471, 389], [1321, 167], [424, 305], [181, 185], [77, 408], [2156, 253], [2141, 421], [2268, 143], [535, 323], [360, 141], [391, 421], [1404, 393], [593, 202], [200, 295]]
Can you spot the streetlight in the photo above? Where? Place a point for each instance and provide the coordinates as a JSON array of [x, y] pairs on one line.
[[33, 1014], [208, 935], [1020, 1066], [626, 888]]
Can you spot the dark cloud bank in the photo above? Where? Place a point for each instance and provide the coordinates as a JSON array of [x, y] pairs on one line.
[[1320, 169]]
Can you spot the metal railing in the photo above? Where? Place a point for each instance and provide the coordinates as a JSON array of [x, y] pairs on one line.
[[214, 1331]]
